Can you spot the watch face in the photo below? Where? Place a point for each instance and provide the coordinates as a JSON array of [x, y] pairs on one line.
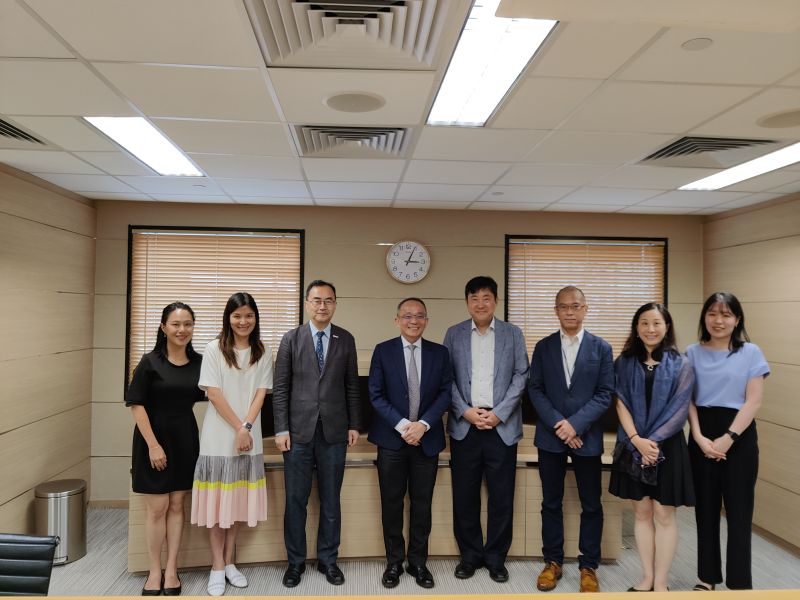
[[408, 262]]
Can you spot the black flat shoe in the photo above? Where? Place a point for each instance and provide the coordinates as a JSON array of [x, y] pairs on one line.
[[703, 587], [391, 576], [332, 573], [633, 589], [157, 592], [498, 574], [293, 574], [464, 570], [421, 574], [173, 591]]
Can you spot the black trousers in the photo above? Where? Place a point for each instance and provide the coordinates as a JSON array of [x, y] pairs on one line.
[[482, 453], [401, 471], [552, 470], [729, 483]]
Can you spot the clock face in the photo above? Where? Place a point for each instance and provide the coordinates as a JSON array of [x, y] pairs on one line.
[[408, 262]]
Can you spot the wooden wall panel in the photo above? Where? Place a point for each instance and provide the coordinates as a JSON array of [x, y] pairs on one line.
[[777, 448], [112, 429], [29, 397], [768, 324], [777, 512], [768, 223], [108, 375], [109, 321], [780, 396]]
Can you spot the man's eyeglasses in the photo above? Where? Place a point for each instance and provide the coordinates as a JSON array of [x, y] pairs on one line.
[[319, 301], [412, 317], [572, 307]]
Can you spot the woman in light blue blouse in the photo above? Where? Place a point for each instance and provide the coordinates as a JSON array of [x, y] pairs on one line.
[[729, 374]]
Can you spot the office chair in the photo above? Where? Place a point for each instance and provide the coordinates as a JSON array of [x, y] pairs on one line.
[[25, 564]]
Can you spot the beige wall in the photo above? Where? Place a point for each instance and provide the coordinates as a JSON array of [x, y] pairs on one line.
[[342, 246], [47, 257], [755, 254]]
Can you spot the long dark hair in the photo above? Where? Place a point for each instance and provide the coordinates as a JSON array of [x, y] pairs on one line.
[[161, 338], [739, 335], [226, 338], [634, 346]]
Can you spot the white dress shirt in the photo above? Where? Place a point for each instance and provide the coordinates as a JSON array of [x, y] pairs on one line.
[[482, 353], [569, 352]]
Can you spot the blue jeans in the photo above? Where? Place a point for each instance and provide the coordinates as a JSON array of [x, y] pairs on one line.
[[299, 463]]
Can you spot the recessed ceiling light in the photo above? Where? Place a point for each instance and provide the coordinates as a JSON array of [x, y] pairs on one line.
[[146, 143], [696, 44], [489, 57], [752, 168]]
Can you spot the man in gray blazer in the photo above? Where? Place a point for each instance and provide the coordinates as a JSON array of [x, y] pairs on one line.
[[490, 367], [317, 415]]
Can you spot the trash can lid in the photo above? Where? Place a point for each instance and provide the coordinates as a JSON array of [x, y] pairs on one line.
[[61, 487]]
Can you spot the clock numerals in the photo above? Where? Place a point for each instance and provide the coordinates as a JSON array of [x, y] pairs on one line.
[[408, 261]]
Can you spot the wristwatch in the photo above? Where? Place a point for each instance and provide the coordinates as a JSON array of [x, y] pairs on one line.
[[247, 425], [734, 436]]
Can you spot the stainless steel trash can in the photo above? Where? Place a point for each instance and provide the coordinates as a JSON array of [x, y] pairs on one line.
[[60, 509]]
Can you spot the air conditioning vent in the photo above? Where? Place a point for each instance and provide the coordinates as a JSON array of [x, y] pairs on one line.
[[10, 131], [710, 152], [357, 34], [352, 142]]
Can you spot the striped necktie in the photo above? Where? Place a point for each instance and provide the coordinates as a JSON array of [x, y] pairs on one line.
[[320, 352]]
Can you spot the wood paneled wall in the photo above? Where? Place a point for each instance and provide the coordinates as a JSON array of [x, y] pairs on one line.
[[343, 246], [756, 255], [47, 269]]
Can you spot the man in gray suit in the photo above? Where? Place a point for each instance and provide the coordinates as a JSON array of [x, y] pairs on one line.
[[317, 415], [490, 366]]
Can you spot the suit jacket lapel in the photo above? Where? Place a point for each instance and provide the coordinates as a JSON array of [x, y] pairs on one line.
[[557, 356], [582, 350], [399, 358], [333, 348], [427, 367], [499, 345]]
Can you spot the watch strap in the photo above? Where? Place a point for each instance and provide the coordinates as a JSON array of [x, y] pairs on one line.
[[734, 436], [247, 425]]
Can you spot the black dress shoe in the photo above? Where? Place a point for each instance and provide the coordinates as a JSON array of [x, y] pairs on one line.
[[421, 574], [332, 573], [498, 574], [391, 576], [293, 574], [464, 570], [173, 591]]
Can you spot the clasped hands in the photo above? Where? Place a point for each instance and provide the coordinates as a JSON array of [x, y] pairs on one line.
[[715, 449], [482, 418], [567, 434], [413, 432]]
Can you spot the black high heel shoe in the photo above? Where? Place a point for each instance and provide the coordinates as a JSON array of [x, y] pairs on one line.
[[158, 592]]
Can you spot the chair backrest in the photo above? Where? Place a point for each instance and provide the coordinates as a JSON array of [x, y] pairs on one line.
[[25, 564]]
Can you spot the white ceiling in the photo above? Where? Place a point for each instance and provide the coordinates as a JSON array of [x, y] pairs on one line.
[[607, 89]]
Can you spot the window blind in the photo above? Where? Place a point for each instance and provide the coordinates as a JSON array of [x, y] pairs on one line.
[[617, 276], [202, 269]]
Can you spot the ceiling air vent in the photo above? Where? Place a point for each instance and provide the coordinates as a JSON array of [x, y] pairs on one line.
[[356, 34], [8, 130], [352, 142], [710, 152]]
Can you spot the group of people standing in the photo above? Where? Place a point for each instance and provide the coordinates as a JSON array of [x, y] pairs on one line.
[[479, 375]]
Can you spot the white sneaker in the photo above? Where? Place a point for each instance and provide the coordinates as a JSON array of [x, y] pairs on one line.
[[216, 583], [235, 577]]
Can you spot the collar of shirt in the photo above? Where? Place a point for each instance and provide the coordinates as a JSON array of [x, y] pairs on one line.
[[406, 343], [475, 327], [565, 338], [314, 331]]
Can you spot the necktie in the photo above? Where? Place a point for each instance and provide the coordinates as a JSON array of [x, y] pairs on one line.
[[413, 387], [320, 353]]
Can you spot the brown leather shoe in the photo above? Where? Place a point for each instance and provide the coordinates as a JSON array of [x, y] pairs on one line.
[[589, 580], [549, 577]]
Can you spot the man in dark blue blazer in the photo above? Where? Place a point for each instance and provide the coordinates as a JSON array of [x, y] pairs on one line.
[[410, 384], [571, 384]]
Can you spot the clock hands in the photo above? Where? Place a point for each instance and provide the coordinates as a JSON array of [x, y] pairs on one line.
[[408, 260]]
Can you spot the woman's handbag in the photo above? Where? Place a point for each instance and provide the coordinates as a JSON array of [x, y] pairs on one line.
[[629, 462]]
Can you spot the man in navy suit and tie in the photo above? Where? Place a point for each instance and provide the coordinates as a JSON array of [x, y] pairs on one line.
[[571, 384], [490, 369], [409, 387]]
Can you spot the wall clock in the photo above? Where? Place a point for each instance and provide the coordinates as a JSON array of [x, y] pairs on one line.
[[408, 261]]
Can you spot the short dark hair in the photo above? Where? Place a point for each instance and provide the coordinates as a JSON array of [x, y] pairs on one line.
[[739, 335], [320, 283], [412, 299], [570, 288], [634, 347], [481, 282]]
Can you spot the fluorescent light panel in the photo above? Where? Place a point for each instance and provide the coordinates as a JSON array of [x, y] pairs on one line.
[[146, 143], [752, 168], [490, 55]]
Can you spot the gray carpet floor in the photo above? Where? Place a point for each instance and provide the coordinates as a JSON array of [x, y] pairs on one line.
[[102, 572]]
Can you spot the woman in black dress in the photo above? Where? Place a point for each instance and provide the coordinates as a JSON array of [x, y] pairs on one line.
[[654, 385], [165, 440]]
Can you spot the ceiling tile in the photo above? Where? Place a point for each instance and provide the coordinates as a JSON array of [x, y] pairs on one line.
[[193, 92], [116, 196], [193, 186], [741, 121], [431, 204], [87, 183], [442, 171], [654, 178], [352, 190], [56, 87], [748, 200], [68, 132], [436, 191], [538, 194], [272, 201], [475, 143], [592, 147], [192, 198], [587, 208], [116, 163], [190, 32], [43, 161], [766, 182], [794, 80], [263, 187], [520, 206], [584, 49], [302, 94], [738, 57], [653, 107], [22, 36], [227, 137], [253, 167], [542, 103], [540, 174], [689, 199], [789, 188], [343, 169], [657, 210], [343, 202], [594, 195]]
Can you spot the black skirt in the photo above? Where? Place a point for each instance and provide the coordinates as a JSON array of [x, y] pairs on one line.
[[674, 487]]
